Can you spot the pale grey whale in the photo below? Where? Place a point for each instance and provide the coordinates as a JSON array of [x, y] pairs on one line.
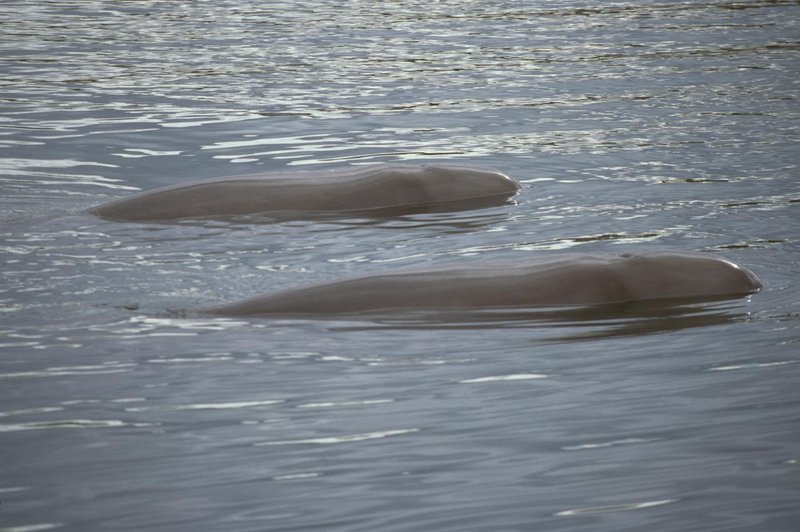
[[553, 281], [378, 189]]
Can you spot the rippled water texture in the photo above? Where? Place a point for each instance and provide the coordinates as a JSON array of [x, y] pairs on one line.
[[631, 125]]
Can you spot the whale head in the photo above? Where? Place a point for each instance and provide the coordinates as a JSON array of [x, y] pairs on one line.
[[469, 182], [682, 274]]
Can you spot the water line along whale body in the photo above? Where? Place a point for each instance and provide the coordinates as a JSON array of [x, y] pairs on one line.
[[373, 189], [580, 280]]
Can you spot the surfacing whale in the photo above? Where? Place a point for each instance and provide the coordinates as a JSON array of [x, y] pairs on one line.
[[578, 280], [374, 189]]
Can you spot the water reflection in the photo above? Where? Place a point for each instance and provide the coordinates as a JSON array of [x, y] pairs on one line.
[[580, 323], [616, 507], [502, 378], [346, 438], [70, 424]]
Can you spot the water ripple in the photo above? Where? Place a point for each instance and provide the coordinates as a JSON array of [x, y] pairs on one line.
[[206, 406], [616, 507], [70, 424], [512, 377], [348, 438]]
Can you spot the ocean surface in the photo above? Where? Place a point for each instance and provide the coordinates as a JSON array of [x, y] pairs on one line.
[[632, 126]]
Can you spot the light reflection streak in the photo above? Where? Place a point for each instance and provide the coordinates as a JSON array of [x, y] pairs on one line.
[[346, 403], [753, 365], [616, 507], [37, 527], [348, 438], [602, 445], [53, 372], [71, 424], [296, 476], [148, 325], [206, 406], [500, 378], [27, 411]]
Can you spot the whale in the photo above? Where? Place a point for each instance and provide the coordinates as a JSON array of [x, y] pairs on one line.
[[557, 281], [379, 190]]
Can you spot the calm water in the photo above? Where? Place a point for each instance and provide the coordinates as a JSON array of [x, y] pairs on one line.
[[632, 125]]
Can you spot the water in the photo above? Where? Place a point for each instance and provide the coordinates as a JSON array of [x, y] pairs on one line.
[[632, 125]]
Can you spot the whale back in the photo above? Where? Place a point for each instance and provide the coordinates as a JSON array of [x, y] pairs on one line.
[[296, 195], [560, 280]]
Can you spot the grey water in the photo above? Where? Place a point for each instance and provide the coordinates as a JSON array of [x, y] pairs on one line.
[[632, 126]]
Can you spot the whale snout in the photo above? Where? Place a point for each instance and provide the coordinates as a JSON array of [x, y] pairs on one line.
[[751, 278], [477, 181], [678, 275]]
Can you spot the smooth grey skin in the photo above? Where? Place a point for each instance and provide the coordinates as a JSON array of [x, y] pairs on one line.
[[300, 194], [559, 280]]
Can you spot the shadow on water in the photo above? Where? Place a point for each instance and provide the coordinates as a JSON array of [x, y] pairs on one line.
[[578, 323], [448, 217], [655, 320], [444, 217], [373, 217]]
